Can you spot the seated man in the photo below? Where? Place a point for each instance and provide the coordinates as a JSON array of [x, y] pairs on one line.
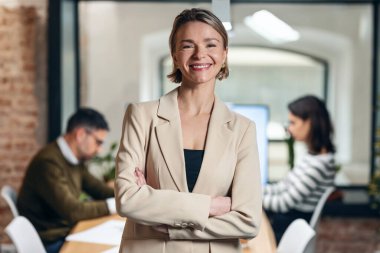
[[51, 196]]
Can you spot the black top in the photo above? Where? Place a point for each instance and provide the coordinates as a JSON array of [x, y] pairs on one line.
[[193, 162]]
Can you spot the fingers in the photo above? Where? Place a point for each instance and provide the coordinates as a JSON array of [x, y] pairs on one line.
[[229, 203], [140, 178], [220, 205]]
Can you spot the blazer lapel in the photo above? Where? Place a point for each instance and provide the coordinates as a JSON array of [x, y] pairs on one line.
[[169, 137], [218, 137]]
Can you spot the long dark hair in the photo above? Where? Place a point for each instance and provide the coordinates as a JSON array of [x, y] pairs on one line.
[[321, 129]]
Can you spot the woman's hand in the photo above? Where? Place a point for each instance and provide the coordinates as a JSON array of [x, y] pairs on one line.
[[220, 205], [140, 178]]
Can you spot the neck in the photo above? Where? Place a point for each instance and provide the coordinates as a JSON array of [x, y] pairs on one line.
[[70, 140], [323, 151], [196, 100]]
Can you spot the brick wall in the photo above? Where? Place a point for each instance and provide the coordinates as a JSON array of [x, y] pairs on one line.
[[22, 91]]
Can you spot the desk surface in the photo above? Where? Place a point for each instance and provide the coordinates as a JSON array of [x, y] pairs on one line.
[[85, 247]]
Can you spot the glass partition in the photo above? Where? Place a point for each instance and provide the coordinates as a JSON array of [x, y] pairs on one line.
[[125, 58], [269, 77]]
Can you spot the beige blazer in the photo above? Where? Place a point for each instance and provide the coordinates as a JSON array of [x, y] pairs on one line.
[[152, 141]]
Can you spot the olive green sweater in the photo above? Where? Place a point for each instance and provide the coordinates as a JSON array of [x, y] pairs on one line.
[[50, 194]]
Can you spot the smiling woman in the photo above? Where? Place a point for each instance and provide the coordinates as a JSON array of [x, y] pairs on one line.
[[190, 149], [215, 38], [199, 54]]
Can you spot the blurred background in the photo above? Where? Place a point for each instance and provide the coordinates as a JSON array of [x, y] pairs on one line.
[[58, 55]]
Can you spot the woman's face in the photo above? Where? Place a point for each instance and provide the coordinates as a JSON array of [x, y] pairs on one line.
[[298, 128], [199, 53]]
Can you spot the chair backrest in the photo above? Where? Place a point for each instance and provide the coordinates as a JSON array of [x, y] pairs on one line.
[[297, 238], [24, 236], [10, 196], [315, 217]]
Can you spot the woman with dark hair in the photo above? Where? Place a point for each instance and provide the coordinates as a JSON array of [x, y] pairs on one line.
[[188, 176], [310, 108], [297, 195]]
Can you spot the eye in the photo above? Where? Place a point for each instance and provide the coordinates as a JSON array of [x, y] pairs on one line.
[[186, 46], [211, 45]]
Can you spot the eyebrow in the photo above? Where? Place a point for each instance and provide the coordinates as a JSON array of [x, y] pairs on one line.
[[206, 40]]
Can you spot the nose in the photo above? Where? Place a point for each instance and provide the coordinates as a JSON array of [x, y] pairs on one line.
[[290, 130], [199, 52]]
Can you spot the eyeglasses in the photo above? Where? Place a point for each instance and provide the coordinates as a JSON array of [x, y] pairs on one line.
[[98, 141]]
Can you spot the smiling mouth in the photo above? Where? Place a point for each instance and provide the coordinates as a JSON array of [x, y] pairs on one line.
[[200, 66]]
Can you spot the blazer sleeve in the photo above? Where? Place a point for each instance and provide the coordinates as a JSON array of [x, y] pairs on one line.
[[243, 220], [146, 205]]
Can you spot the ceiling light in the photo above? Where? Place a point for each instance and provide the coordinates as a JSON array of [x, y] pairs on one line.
[[271, 27], [227, 26]]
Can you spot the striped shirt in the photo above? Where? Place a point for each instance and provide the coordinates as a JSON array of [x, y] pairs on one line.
[[303, 185]]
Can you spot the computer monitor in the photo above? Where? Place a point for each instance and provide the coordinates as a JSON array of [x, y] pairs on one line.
[[260, 115]]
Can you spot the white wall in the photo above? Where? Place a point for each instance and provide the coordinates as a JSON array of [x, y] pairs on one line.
[[124, 42], [119, 44]]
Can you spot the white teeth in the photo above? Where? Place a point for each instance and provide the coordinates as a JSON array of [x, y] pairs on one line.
[[199, 66]]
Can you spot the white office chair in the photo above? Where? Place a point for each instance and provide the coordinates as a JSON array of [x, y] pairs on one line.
[[24, 236], [10, 196], [297, 238], [315, 217]]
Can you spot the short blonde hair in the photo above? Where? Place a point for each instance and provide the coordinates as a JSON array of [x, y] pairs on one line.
[[205, 16]]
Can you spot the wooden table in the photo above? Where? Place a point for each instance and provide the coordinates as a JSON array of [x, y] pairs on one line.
[[86, 247]]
